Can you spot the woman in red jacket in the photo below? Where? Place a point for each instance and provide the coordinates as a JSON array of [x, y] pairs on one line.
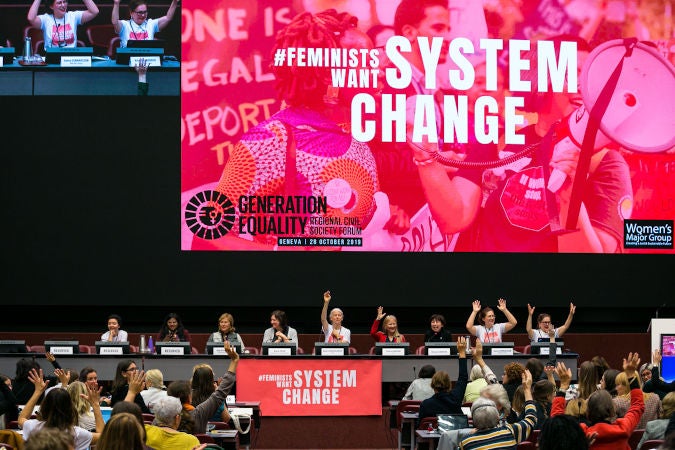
[[389, 331], [609, 434]]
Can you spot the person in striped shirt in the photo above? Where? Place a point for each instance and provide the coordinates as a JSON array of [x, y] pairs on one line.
[[489, 434]]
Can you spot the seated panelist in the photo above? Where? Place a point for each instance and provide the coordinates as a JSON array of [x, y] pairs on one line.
[[173, 330], [114, 333]]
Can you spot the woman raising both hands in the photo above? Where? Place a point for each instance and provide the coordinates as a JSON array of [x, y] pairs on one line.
[[544, 325], [333, 331], [389, 331], [488, 331]]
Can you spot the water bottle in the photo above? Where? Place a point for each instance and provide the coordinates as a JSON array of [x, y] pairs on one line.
[[468, 344], [143, 348], [151, 346], [27, 49]]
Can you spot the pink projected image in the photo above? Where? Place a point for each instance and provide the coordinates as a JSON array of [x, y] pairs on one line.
[[428, 126]]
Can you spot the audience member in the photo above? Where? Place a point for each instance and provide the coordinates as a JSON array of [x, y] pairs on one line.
[[389, 332], [22, 387], [154, 382], [133, 409], [57, 411], [165, 434], [182, 391], [511, 377], [612, 433], [445, 401], [8, 405], [202, 412], [588, 382], [562, 432], [203, 384], [114, 333], [543, 392], [486, 419], [333, 331], [85, 417], [226, 331], [600, 365], [517, 406], [125, 372], [420, 388], [488, 331], [89, 376], [608, 381], [622, 401], [481, 375], [437, 331], [122, 432], [173, 330], [544, 325], [280, 331], [500, 397], [656, 429], [140, 27], [655, 383], [50, 439], [536, 368], [59, 27]]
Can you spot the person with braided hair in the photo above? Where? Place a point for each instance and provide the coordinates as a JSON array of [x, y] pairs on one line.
[[305, 151]]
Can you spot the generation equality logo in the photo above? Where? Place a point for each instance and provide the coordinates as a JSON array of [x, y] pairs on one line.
[[648, 234]]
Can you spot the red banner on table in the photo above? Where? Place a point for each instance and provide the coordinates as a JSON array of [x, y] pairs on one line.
[[312, 388]]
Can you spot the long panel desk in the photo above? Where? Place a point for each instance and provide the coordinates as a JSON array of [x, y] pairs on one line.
[[102, 78], [394, 368]]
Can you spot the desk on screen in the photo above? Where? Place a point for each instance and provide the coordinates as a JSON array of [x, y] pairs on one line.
[[102, 78]]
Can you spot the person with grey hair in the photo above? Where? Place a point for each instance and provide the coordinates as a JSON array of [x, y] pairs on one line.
[[486, 419], [154, 381], [480, 377], [333, 331], [165, 432], [498, 394]]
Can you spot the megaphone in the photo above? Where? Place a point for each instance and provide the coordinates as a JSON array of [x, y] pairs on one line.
[[640, 115]]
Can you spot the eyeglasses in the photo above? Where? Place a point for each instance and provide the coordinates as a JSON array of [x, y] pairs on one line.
[[132, 369], [141, 13]]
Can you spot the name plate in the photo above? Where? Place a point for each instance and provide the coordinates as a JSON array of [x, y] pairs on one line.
[[241, 411], [61, 350], [111, 351], [280, 351], [150, 61], [396, 351], [503, 351], [230, 399], [76, 61], [172, 351], [438, 351], [219, 351], [332, 351], [545, 351]]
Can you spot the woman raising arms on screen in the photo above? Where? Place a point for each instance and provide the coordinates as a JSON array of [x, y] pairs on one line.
[[488, 330], [544, 324], [60, 26], [389, 331], [333, 331], [139, 27]]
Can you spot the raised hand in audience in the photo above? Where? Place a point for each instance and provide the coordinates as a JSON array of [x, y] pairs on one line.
[[63, 376], [136, 385], [564, 374]]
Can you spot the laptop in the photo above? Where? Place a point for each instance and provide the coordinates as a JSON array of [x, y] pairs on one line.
[[447, 422]]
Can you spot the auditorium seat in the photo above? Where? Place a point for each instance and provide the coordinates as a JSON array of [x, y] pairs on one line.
[[38, 348], [252, 350], [205, 438], [353, 351], [100, 36], [420, 350], [635, 437], [404, 432], [88, 349], [651, 444]]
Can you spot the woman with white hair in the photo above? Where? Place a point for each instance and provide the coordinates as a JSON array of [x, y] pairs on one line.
[[486, 419], [154, 381], [333, 331], [165, 432]]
